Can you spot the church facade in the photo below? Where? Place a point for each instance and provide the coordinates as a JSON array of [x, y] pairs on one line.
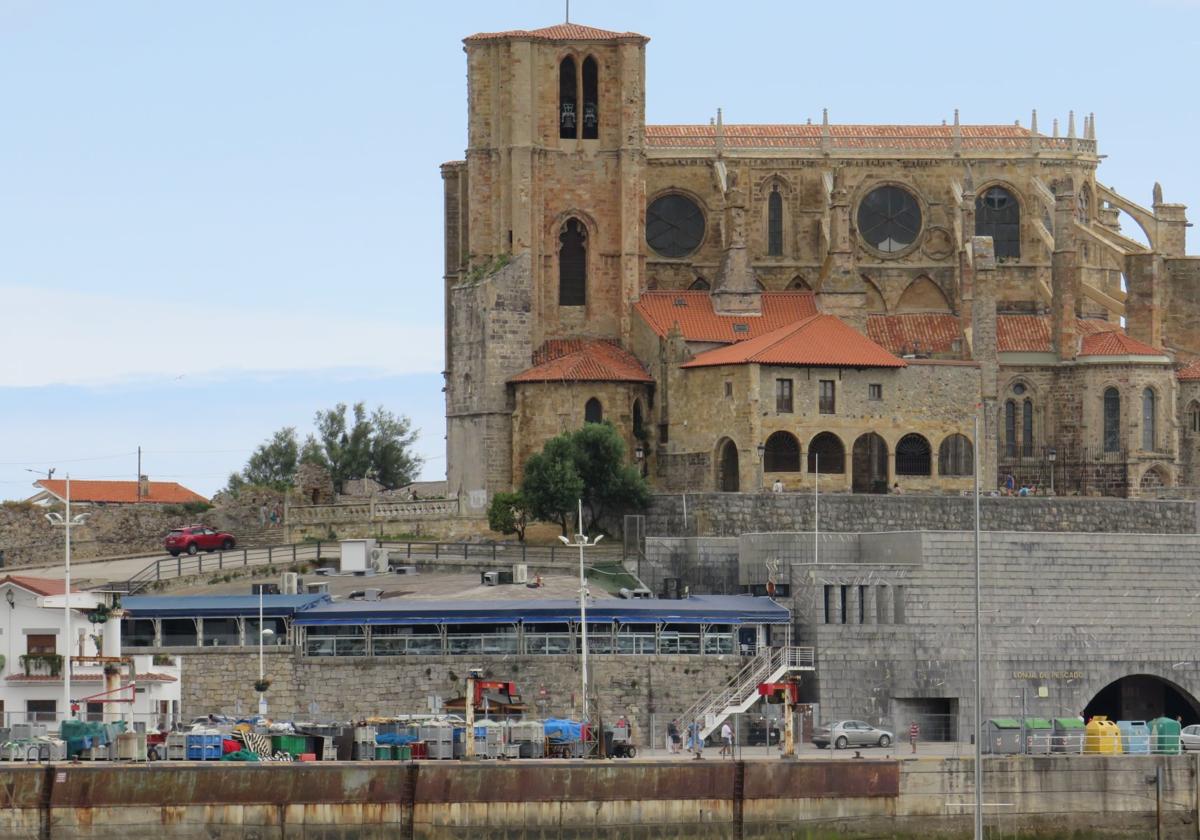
[[796, 303]]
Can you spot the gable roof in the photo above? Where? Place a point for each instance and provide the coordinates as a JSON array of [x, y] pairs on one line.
[[558, 32], [1115, 343], [583, 360], [37, 585], [816, 341], [912, 332], [120, 492], [1031, 333], [694, 313], [809, 135]]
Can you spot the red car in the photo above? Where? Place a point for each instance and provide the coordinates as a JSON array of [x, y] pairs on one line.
[[196, 538]]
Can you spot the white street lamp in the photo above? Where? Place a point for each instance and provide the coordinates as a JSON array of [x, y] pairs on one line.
[[582, 541], [67, 522], [263, 632]]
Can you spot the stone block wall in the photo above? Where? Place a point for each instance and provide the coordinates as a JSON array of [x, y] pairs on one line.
[[26, 538], [344, 688], [732, 514]]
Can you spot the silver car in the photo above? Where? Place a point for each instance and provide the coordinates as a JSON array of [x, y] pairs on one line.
[[1189, 737], [851, 733]]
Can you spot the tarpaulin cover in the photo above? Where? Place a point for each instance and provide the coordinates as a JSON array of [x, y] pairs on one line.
[[395, 739], [563, 730], [240, 755]]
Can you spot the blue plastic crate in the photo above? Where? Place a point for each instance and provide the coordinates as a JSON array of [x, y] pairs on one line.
[[205, 752]]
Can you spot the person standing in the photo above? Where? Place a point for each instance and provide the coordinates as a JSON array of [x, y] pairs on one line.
[[695, 742], [673, 737], [914, 732], [726, 739]]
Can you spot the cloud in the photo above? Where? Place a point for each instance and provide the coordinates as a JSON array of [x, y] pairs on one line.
[[53, 336]]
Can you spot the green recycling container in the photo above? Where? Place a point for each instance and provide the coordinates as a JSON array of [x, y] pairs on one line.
[[1164, 736], [383, 752], [404, 752]]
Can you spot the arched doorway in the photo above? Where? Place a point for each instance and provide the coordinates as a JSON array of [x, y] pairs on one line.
[[870, 464], [1142, 697], [727, 467]]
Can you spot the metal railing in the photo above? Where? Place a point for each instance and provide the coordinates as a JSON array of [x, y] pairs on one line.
[[187, 565], [768, 665], [499, 553]]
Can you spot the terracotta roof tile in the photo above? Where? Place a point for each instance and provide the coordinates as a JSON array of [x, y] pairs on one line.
[[693, 311], [559, 32], [1031, 333], [816, 341], [121, 492], [583, 360], [808, 136], [37, 585], [913, 332], [1191, 373], [1115, 343]]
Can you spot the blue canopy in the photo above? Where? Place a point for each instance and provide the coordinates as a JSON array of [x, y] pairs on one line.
[[178, 606]]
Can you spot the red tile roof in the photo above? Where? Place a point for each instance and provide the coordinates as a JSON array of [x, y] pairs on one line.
[[922, 137], [36, 585], [913, 332], [558, 32], [816, 341], [693, 311], [1031, 333], [583, 360], [1191, 373], [1114, 343], [121, 492]]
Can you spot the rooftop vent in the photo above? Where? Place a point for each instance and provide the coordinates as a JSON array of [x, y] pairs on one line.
[[741, 328], [680, 302]]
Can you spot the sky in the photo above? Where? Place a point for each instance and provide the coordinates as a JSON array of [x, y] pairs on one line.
[[217, 218]]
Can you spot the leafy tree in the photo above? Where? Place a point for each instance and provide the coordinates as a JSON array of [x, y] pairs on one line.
[[552, 484], [509, 514], [587, 464], [374, 446]]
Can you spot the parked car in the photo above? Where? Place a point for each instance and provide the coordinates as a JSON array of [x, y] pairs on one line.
[[196, 538], [1189, 737], [851, 733]]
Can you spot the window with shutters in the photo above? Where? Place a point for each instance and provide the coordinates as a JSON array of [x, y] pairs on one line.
[[826, 397]]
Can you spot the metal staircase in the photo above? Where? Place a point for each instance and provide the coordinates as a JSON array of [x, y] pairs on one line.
[[741, 692]]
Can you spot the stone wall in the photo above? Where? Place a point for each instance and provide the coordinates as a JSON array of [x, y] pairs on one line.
[[342, 688], [731, 514], [26, 538]]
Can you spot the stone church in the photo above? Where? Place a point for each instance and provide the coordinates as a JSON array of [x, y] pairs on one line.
[[800, 303]]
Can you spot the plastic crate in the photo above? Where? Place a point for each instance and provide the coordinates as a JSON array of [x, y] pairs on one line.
[[384, 752], [291, 744], [419, 750], [403, 752], [206, 752]]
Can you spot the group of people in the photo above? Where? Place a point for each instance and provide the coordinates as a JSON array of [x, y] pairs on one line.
[[695, 741]]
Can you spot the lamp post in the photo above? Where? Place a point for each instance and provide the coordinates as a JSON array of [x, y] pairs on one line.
[[582, 541], [262, 633], [1051, 454], [67, 522]]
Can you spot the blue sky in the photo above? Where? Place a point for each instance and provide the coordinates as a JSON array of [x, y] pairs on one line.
[[218, 217]]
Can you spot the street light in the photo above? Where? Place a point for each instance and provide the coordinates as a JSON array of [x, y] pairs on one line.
[[262, 633], [582, 541], [67, 522], [1051, 454]]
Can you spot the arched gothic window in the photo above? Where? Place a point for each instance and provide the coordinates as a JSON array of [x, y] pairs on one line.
[[593, 412], [998, 215], [826, 455], [591, 101], [1194, 417], [914, 456], [775, 223], [1010, 429], [956, 456], [1027, 429], [572, 264], [1149, 420], [1112, 420], [568, 111], [782, 453]]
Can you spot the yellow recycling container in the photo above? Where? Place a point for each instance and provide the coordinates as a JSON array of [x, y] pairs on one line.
[[1102, 736]]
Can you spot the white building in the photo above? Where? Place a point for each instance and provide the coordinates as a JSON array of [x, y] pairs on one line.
[[105, 685]]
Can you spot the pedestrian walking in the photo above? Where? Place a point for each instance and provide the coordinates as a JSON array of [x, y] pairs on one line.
[[695, 742], [673, 737], [914, 732], [727, 739]]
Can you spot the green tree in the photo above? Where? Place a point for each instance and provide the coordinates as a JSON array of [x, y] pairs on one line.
[[588, 464], [509, 514], [551, 484]]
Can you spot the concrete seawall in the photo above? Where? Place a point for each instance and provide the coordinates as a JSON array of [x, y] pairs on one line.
[[1030, 797]]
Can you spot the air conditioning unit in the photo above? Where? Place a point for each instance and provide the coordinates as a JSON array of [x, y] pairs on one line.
[[380, 560], [490, 578], [289, 583], [520, 573], [321, 588]]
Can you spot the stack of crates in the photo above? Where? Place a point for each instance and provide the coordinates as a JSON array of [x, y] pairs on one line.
[[489, 739], [28, 731], [364, 743], [529, 736], [203, 747], [438, 739], [294, 745], [131, 746], [176, 746]]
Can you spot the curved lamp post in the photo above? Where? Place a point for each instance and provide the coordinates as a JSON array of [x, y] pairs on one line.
[[67, 522]]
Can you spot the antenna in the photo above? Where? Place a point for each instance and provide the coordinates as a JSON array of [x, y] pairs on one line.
[[568, 11]]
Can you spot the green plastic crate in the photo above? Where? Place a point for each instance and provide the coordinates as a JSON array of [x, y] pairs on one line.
[[291, 744], [404, 752], [383, 752]]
